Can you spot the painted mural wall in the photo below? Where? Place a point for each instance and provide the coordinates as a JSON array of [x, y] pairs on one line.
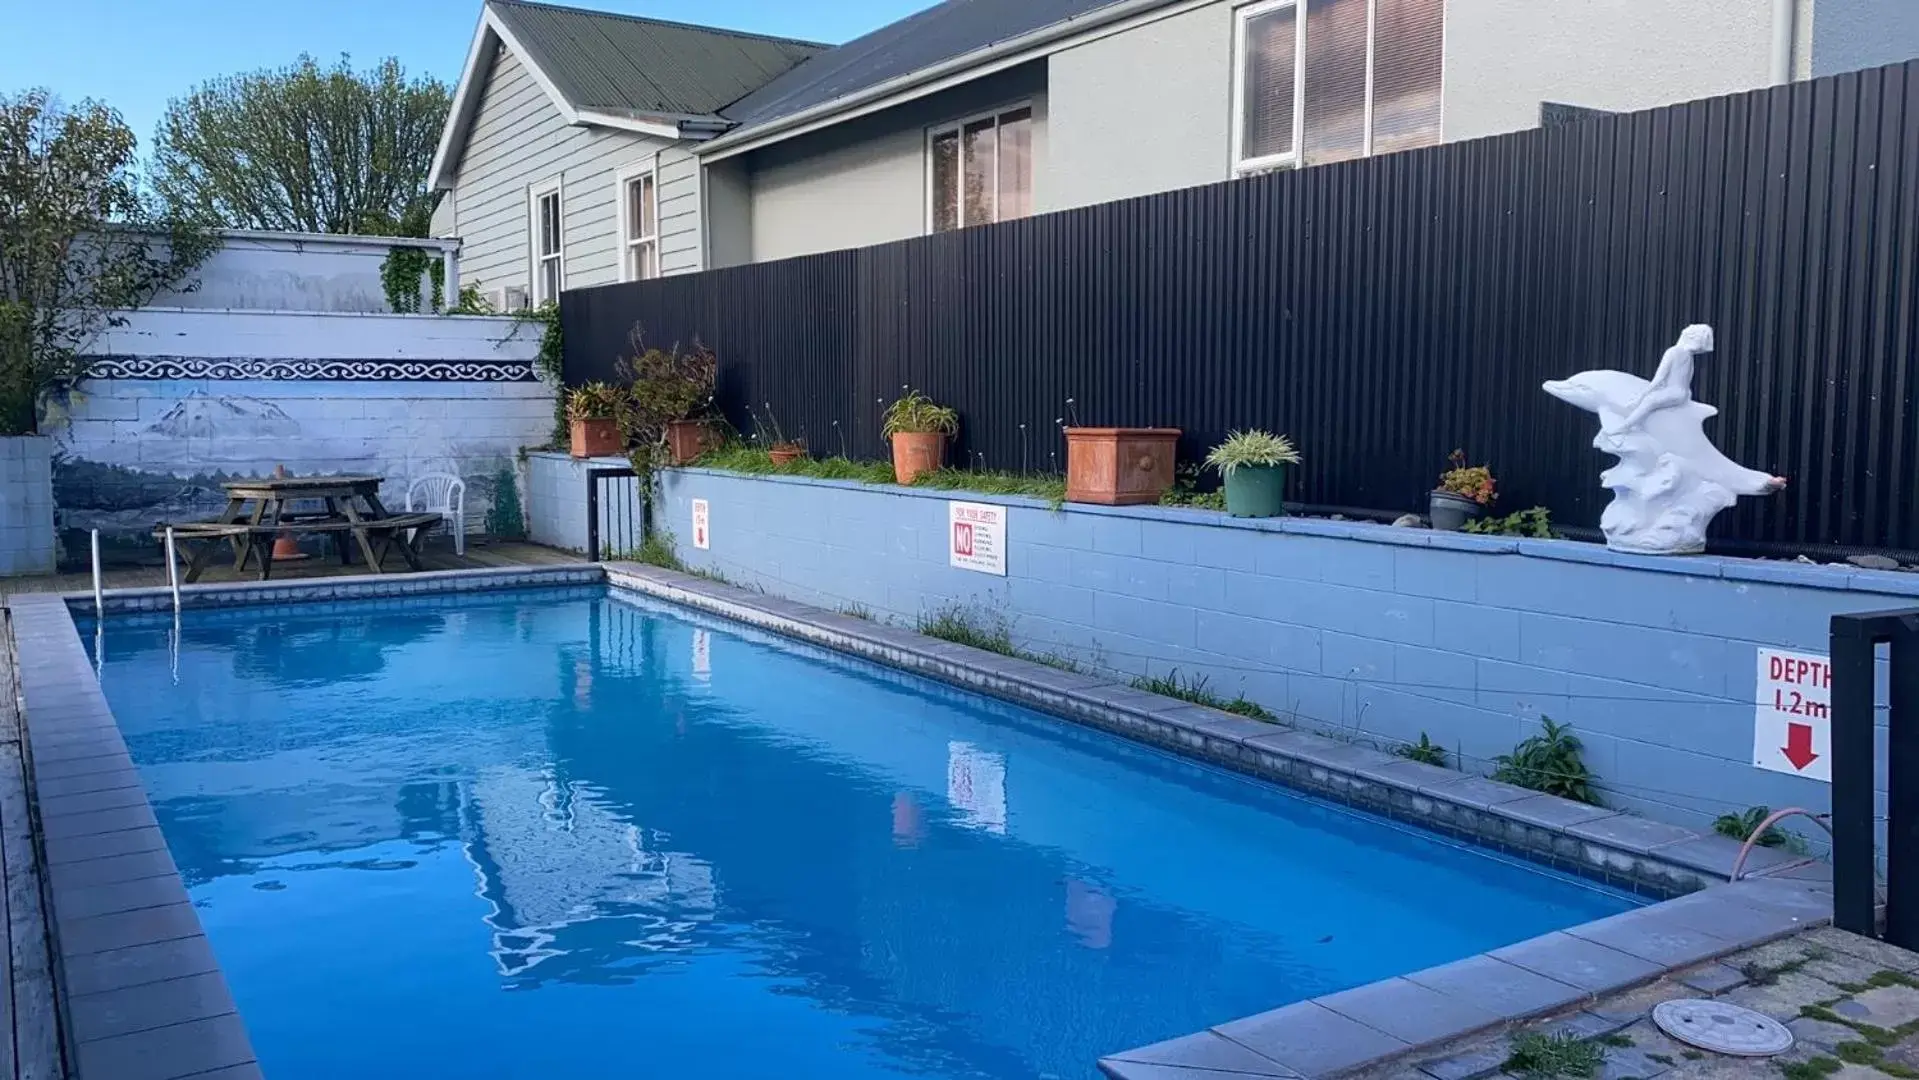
[[185, 398]]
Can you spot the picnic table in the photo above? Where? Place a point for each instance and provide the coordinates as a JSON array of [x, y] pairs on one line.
[[260, 510]]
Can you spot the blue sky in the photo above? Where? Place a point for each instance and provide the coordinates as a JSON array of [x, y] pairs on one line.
[[135, 54]]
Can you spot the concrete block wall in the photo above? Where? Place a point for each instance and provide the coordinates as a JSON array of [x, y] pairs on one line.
[[181, 399], [556, 506], [26, 505], [1353, 629]]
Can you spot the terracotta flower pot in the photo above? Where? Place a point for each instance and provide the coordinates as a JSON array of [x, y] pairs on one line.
[[1119, 466], [916, 452], [596, 438], [786, 453], [686, 440]]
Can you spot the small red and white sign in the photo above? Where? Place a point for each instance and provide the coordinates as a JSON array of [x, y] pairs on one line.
[[700, 537], [976, 537], [1792, 722]]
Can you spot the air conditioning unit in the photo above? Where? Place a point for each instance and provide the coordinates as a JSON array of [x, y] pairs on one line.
[[514, 298]]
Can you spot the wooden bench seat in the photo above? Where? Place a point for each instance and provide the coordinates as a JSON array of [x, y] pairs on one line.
[[376, 538]]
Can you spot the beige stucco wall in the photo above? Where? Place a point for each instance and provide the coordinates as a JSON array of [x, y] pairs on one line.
[[1504, 57], [1142, 111], [864, 181]]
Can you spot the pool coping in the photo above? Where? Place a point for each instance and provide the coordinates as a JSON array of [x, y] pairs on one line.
[[142, 997], [1700, 918], [139, 992]]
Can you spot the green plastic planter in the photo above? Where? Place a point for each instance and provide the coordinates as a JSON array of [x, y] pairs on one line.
[[1256, 491]]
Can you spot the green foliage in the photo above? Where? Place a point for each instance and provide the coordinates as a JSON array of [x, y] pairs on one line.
[[981, 629], [1424, 750], [1549, 762], [1252, 448], [741, 458], [752, 459], [1185, 491], [80, 243], [1539, 1056], [962, 625], [1052, 488], [505, 519], [1473, 482], [1197, 691], [472, 302], [1741, 826], [658, 550], [597, 401], [400, 275], [549, 360], [1812, 1069], [1536, 522], [915, 412], [304, 148], [666, 385]]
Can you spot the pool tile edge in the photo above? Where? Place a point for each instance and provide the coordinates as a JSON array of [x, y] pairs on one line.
[[1606, 845], [1563, 970], [92, 922]]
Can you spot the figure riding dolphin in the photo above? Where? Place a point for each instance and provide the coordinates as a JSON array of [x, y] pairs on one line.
[[1670, 480]]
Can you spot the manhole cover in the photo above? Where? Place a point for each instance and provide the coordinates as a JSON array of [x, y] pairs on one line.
[[1722, 1027]]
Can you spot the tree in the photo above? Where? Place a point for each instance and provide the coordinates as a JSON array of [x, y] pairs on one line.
[[79, 244], [304, 149]]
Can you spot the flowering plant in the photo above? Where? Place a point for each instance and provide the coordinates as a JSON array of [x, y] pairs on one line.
[[1471, 482]]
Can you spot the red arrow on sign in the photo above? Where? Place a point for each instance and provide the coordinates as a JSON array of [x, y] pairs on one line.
[[1798, 748]]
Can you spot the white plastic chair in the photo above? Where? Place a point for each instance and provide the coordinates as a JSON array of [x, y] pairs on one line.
[[441, 493]]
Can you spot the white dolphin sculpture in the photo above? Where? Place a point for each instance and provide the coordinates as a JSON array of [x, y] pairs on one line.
[[1671, 481]]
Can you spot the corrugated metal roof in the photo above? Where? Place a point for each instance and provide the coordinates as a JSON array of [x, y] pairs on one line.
[[919, 41], [631, 66]]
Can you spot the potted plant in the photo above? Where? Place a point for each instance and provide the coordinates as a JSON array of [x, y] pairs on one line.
[[918, 428], [596, 412], [1463, 494], [1253, 464], [766, 431], [1116, 466], [673, 397]]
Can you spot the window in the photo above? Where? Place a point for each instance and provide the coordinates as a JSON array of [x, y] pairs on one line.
[[548, 244], [639, 224], [981, 170], [1326, 80]]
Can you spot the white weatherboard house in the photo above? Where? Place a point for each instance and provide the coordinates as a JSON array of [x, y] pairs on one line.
[[586, 148]]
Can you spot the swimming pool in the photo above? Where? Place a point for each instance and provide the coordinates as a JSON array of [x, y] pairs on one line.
[[567, 832]]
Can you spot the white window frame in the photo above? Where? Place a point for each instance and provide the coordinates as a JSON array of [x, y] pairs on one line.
[[626, 241], [1289, 160], [535, 281], [958, 127]]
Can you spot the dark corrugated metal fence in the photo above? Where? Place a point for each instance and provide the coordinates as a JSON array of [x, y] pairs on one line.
[[1385, 311]]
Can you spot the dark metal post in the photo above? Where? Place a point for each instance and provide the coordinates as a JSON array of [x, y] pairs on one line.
[[1902, 790], [1852, 752], [593, 515], [1855, 640]]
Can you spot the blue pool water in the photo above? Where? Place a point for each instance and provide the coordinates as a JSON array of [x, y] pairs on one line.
[[567, 834]]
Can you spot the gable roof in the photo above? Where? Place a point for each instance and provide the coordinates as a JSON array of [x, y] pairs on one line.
[[649, 76], [624, 64]]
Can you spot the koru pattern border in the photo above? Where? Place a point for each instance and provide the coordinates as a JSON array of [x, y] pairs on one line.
[[233, 368]]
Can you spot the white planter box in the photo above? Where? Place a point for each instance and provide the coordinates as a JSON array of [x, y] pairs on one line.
[[27, 541]]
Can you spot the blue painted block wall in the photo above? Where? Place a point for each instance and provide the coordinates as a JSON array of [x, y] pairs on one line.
[[1348, 628]]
